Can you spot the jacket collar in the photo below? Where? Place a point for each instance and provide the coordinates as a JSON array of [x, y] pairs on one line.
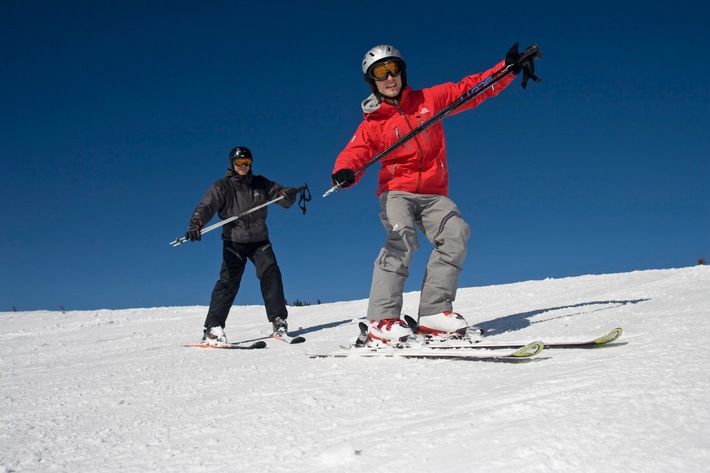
[[233, 175], [372, 105]]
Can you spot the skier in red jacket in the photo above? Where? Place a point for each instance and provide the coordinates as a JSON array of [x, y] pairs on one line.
[[413, 191]]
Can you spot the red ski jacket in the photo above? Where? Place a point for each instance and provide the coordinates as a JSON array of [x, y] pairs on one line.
[[419, 165]]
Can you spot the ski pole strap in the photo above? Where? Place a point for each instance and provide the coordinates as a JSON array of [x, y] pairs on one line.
[[304, 197], [529, 73]]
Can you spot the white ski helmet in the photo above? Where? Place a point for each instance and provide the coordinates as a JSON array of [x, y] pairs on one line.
[[382, 53]]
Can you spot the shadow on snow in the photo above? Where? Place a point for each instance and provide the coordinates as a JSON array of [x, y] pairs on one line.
[[515, 322]]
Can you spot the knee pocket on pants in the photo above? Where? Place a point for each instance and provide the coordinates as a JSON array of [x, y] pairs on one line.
[[453, 227]]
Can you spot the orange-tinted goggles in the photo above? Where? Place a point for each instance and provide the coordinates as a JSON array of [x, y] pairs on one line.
[[242, 162], [380, 71]]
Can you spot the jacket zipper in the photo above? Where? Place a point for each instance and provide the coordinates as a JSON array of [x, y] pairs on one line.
[[399, 136], [416, 140]]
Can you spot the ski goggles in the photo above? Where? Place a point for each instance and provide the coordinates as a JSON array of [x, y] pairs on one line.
[[380, 71], [242, 162]]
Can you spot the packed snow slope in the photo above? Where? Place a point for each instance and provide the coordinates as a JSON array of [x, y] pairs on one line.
[[115, 391]]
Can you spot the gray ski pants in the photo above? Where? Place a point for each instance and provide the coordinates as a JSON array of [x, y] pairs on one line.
[[438, 218]]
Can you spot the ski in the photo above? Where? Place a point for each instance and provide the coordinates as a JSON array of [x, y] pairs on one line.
[[589, 343], [287, 338], [465, 341], [515, 355], [229, 346], [412, 349]]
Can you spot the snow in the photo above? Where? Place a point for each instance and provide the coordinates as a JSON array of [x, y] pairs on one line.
[[114, 390]]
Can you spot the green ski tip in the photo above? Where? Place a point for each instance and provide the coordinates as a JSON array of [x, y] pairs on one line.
[[609, 337], [530, 349]]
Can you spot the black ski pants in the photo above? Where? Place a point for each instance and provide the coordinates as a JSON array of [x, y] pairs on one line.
[[234, 259]]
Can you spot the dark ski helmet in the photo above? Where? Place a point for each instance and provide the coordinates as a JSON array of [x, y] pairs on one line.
[[240, 152], [380, 54]]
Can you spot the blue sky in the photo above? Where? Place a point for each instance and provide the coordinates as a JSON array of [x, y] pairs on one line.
[[117, 116]]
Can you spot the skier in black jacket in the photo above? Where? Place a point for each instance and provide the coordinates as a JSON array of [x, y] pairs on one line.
[[244, 238]]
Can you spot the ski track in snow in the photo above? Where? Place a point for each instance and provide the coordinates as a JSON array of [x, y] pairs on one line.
[[114, 391]]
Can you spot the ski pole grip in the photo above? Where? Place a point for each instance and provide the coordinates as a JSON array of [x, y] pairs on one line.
[[532, 51]]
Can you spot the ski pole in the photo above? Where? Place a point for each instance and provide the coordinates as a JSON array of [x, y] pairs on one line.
[[529, 54], [182, 240]]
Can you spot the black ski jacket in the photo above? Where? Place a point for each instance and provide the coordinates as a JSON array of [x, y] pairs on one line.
[[234, 194]]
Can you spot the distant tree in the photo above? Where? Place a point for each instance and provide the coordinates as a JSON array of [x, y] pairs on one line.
[[701, 262], [300, 303]]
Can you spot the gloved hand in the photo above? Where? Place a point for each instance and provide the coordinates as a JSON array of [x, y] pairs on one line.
[[289, 193], [343, 177], [513, 57], [193, 231]]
